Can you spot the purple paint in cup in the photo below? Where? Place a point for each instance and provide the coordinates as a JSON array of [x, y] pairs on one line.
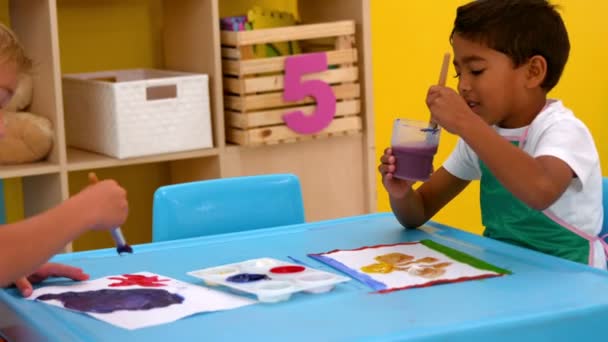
[[414, 145]]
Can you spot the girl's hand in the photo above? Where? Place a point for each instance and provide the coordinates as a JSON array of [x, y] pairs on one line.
[[46, 271], [105, 203]]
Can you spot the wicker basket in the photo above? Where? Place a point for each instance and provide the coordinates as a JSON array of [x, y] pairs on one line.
[[132, 113]]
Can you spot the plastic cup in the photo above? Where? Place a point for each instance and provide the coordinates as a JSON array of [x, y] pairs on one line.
[[414, 144]]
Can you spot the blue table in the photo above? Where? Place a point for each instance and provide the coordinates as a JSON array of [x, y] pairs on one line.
[[545, 299]]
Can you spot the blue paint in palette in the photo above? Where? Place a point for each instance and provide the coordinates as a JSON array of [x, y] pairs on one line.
[[247, 277]]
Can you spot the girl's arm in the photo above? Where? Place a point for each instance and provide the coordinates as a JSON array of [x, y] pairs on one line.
[[27, 244]]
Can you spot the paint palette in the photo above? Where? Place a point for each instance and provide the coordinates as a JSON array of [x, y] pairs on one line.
[[271, 280]]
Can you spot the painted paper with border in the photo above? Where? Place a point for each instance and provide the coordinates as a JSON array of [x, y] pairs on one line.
[[137, 300], [400, 266]]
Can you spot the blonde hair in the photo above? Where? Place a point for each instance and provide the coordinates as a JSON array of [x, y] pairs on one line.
[[11, 49]]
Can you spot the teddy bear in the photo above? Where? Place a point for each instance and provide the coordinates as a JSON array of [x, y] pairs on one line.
[[27, 137]]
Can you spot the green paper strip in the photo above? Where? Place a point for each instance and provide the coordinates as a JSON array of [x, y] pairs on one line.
[[463, 257]]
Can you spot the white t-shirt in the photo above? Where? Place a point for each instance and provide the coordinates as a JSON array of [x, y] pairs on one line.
[[554, 132]]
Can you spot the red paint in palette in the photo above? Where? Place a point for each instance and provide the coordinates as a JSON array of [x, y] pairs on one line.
[[287, 269]]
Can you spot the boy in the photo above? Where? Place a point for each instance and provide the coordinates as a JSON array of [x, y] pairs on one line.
[[539, 169], [26, 245]]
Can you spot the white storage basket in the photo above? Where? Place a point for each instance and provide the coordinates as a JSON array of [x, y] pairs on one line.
[[131, 113]]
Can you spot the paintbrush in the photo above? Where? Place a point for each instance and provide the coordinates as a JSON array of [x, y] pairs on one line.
[[119, 239], [443, 75]]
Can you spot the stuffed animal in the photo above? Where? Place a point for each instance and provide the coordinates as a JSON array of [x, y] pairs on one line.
[[27, 137]]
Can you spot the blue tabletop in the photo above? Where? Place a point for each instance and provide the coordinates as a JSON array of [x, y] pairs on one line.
[[545, 297]]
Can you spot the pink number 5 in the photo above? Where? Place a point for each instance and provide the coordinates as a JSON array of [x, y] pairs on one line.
[[295, 90]]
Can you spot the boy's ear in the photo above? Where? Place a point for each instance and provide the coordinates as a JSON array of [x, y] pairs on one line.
[[536, 71]]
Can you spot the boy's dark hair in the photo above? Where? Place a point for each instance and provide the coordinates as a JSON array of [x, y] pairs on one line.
[[520, 29]]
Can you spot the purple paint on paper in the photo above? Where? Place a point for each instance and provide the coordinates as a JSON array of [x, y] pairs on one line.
[[246, 277], [110, 300]]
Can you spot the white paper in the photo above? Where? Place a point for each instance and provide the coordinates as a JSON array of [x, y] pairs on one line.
[[408, 275], [197, 299]]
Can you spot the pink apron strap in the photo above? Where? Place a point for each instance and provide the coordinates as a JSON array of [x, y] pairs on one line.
[[604, 244], [591, 238], [588, 237]]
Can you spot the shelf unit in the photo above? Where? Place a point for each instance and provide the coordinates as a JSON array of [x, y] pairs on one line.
[[337, 173]]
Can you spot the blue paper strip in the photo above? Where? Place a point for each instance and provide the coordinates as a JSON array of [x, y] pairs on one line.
[[364, 278]]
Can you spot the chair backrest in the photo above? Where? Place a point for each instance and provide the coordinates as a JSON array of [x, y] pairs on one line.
[[605, 203], [226, 205]]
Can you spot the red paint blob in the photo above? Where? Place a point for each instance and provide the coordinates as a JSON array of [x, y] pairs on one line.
[[287, 269], [137, 279]]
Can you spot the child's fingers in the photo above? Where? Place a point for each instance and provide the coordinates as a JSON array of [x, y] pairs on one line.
[[386, 168], [92, 178], [58, 270], [432, 98], [24, 286], [387, 159], [381, 169]]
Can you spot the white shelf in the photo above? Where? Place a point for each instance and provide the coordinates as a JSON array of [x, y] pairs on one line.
[[85, 160], [32, 169]]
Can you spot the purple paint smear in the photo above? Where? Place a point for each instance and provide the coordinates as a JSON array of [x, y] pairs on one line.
[[110, 300]]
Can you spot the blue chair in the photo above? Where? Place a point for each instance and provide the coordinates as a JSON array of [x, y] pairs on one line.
[[605, 202], [226, 205]]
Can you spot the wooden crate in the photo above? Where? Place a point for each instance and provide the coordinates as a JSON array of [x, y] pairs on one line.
[[253, 87]]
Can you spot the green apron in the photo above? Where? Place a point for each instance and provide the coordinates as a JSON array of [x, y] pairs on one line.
[[508, 219]]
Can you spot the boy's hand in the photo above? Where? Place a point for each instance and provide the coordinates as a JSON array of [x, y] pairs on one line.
[[46, 271], [396, 188], [448, 109], [106, 201]]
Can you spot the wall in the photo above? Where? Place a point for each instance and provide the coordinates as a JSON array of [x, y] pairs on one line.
[[232, 7], [409, 39]]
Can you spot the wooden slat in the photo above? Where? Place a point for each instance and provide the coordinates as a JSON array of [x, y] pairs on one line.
[[275, 117], [275, 100], [271, 83], [275, 134], [288, 33], [231, 53], [234, 85], [277, 64]]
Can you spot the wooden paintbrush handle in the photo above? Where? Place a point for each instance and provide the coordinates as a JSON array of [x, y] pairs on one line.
[[443, 75]]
